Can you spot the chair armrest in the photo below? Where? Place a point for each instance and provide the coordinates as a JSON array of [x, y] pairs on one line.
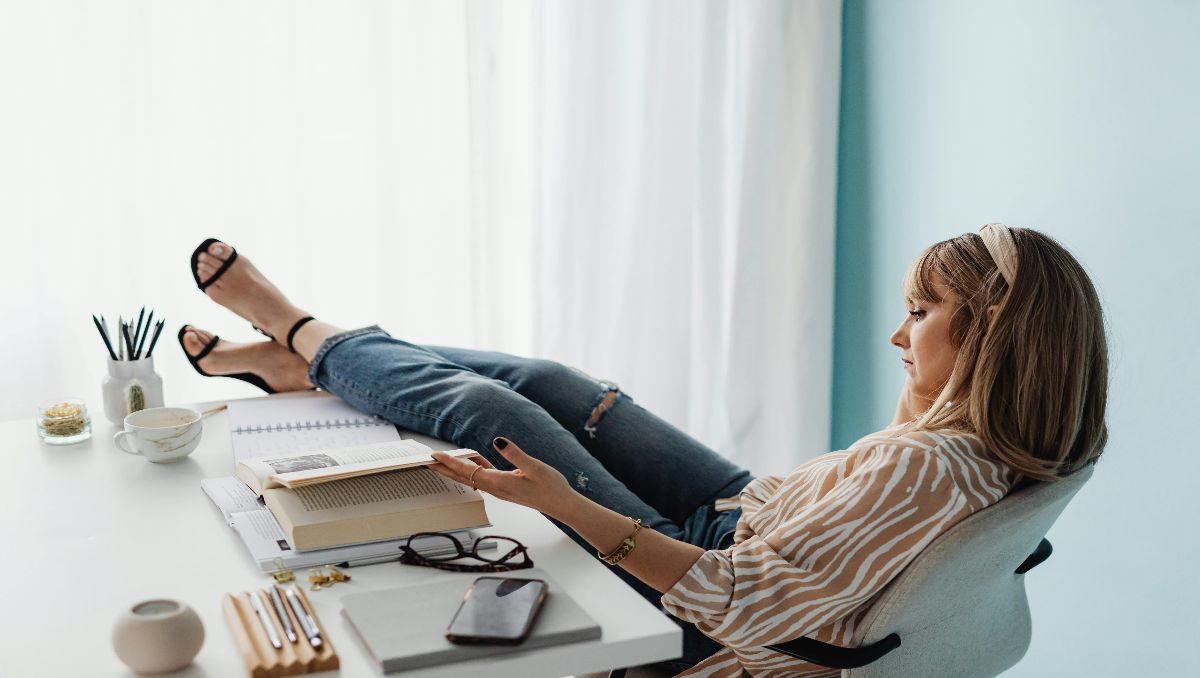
[[1039, 555], [836, 656]]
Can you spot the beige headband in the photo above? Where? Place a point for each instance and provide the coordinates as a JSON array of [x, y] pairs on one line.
[[1000, 244]]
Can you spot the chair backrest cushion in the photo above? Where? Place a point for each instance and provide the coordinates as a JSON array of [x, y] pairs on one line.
[[960, 608]]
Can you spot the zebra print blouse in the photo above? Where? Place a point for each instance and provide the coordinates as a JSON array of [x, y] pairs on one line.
[[814, 547]]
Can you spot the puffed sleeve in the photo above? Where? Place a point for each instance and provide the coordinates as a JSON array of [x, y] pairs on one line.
[[827, 557]]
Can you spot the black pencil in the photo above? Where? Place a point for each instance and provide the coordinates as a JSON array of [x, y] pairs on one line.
[[154, 339], [141, 343], [137, 329], [128, 342], [104, 336]]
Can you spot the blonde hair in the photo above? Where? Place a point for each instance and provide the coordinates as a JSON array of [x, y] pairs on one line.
[[1031, 378]]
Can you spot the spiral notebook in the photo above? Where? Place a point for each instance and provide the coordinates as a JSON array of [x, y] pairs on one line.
[[266, 427]]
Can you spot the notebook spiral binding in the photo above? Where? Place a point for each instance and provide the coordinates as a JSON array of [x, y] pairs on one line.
[[357, 422]]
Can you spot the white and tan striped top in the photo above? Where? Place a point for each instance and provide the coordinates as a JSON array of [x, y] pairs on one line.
[[813, 548]]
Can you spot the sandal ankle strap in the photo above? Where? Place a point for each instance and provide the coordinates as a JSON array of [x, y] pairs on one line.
[[296, 328]]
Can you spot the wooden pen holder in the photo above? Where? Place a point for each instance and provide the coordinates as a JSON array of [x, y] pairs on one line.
[[261, 658]]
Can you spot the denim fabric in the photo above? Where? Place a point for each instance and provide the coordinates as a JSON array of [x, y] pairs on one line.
[[630, 460]]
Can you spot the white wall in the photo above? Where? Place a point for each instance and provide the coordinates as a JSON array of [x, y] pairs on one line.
[[1081, 119]]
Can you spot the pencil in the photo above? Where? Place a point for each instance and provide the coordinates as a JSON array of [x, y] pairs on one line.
[[149, 324], [128, 343], [154, 339], [137, 329], [141, 343], [104, 336]]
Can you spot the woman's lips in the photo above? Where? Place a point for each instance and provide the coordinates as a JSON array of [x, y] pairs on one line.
[[907, 363]]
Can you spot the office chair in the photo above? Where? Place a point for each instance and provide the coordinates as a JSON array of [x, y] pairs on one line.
[[960, 608]]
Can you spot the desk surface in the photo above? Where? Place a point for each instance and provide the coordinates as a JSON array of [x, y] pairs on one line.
[[88, 530]]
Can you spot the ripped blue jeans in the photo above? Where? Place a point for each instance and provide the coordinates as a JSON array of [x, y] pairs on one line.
[[608, 447]]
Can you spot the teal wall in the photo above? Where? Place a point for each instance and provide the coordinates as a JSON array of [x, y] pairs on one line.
[[1081, 119]]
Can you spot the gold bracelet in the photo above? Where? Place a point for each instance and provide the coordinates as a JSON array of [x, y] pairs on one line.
[[625, 548]]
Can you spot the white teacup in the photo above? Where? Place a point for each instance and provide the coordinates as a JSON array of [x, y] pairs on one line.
[[161, 434]]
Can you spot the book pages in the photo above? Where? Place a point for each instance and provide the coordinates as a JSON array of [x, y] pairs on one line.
[[379, 487]]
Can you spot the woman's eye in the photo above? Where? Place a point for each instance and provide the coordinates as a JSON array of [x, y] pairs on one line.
[[917, 314]]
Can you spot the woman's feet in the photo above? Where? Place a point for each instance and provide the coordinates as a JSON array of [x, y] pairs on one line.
[[281, 370], [247, 292]]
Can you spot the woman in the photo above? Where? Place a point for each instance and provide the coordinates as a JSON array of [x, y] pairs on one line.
[[1004, 349]]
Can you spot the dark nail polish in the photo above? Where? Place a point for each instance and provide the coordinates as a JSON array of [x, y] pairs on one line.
[[500, 443]]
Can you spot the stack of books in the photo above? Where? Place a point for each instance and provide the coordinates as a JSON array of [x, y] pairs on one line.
[[317, 482]]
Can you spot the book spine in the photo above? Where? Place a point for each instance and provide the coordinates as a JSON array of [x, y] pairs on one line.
[[315, 424]]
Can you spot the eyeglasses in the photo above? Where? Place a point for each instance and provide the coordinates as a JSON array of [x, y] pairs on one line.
[[440, 548]]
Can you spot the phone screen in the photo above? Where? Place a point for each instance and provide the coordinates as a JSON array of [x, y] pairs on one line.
[[497, 610]]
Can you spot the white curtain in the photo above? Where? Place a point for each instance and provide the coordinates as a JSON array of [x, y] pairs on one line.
[[331, 142], [644, 190], [686, 193]]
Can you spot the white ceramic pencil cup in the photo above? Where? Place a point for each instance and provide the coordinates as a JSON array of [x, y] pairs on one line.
[[131, 385], [161, 434]]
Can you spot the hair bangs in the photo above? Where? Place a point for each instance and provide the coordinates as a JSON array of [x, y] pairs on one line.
[[919, 281]]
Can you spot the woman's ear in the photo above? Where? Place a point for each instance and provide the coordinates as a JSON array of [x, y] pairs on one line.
[[991, 311]]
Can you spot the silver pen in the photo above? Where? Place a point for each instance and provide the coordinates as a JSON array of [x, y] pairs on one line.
[[283, 615], [266, 621], [306, 621]]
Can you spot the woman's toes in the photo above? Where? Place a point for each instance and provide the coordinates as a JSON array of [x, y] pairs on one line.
[[211, 260], [193, 342], [205, 269], [218, 249]]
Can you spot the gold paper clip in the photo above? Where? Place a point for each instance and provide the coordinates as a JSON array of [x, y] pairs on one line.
[[281, 574]]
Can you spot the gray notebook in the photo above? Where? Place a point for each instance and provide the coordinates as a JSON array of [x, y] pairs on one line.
[[404, 628]]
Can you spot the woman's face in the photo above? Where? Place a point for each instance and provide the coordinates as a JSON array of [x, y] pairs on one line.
[[925, 348]]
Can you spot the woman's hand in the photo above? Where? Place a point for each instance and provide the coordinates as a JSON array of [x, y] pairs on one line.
[[658, 560], [534, 483]]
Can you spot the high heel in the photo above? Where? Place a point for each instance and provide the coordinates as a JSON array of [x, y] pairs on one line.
[[248, 377]]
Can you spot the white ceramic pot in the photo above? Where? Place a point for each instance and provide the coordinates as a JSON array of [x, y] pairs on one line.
[[125, 381], [158, 636]]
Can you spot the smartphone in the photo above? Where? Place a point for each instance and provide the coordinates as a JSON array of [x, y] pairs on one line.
[[497, 611]]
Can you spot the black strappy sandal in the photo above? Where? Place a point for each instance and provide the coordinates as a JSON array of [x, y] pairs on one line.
[[216, 276], [220, 271], [248, 377]]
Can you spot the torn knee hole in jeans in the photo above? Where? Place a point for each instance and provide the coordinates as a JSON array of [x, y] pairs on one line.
[[581, 480], [605, 404]]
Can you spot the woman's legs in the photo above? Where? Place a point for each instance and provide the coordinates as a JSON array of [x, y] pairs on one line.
[[420, 390], [417, 388], [645, 453]]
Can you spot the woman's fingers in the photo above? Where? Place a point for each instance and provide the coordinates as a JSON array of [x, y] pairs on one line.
[[443, 470], [455, 464], [482, 476], [515, 454]]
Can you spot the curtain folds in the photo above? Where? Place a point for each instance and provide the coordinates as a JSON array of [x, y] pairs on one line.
[[685, 212]]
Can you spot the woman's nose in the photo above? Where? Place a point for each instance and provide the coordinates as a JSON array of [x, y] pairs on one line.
[[900, 337]]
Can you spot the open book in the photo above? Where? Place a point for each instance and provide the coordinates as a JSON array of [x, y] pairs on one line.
[[365, 493], [269, 547]]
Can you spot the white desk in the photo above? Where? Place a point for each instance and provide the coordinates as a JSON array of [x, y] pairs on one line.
[[86, 530]]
